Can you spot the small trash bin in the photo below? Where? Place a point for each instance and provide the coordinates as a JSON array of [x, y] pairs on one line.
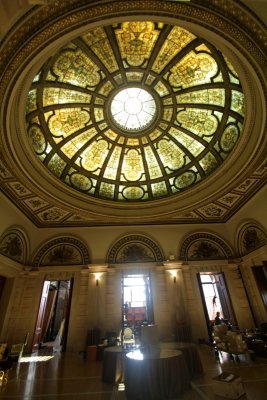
[[228, 385]]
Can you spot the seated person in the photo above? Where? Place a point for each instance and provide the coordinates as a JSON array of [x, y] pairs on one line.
[[218, 320]]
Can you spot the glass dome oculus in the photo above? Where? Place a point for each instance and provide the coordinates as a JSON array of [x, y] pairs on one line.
[[133, 109]]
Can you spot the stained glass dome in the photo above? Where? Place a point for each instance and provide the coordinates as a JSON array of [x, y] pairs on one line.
[[135, 111]]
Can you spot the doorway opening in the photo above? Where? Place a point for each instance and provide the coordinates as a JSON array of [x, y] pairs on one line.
[[216, 298], [137, 305], [53, 316], [2, 284]]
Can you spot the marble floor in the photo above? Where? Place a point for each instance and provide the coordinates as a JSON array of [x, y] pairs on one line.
[[48, 375]]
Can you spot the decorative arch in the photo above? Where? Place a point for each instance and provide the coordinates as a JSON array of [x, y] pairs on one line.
[[14, 244], [135, 248], [205, 246], [251, 236], [62, 250]]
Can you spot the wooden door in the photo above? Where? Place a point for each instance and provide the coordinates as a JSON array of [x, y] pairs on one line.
[[260, 275], [2, 284], [225, 300], [40, 318]]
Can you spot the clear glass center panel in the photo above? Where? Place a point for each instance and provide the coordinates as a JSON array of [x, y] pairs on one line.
[[133, 109]]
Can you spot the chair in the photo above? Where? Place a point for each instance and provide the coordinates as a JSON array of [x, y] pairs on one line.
[[128, 336], [16, 352], [3, 348]]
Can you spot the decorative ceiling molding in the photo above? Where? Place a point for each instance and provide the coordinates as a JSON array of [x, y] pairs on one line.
[[14, 244], [43, 29], [205, 246], [251, 236], [42, 213], [64, 250], [134, 249]]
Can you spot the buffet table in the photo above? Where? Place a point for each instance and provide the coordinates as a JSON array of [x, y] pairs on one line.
[[156, 375]]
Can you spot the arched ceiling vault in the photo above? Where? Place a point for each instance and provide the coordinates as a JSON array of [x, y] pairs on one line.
[[143, 112]]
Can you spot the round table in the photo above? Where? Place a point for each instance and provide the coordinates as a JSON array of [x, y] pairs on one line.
[[113, 360], [191, 356], [157, 375]]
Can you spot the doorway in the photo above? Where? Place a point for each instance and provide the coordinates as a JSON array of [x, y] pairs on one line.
[[216, 298], [137, 304], [2, 284], [53, 316]]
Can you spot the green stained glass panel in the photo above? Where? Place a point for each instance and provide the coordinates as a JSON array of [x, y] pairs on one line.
[[93, 157], [64, 122], [191, 144], [56, 165], [200, 122], [134, 76], [118, 79], [97, 40], [111, 170], [161, 89], [210, 96], [175, 42], [133, 193], [184, 180], [99, 114], [136, 40], [37, 77], [170, 154], [76, 68], [237, 103], [229, 137], [106, 89], [63, 96], [155, 134], [208, 163], [31, 104], [159, 189], [152, 163], [132, 166], [81, 182], [193, 69], [107, 190], [37, 139], [75, 144]]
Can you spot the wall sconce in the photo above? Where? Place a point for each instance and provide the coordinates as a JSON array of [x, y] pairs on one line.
[[173, 273], [97, 278], [97, 271]]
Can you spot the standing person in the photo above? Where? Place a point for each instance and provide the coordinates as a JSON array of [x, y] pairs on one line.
[[126, 310]]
